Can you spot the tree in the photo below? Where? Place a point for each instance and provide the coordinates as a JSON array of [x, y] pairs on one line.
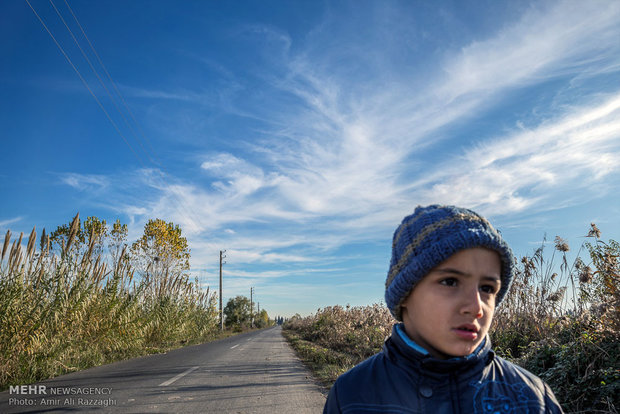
[[237, 312], [79, 236], [117, 242], [162, 251], [262, 319], [95, 232]]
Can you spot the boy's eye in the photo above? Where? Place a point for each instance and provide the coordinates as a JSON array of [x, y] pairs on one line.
[[448, 282], [488, 289]]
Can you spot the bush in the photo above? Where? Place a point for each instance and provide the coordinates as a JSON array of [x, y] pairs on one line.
[[358, 331], [582, 369]]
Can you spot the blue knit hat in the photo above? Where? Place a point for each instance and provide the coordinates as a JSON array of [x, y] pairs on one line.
[[431, 235]]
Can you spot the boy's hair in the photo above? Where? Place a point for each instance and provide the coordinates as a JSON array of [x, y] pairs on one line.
[[431, 235]]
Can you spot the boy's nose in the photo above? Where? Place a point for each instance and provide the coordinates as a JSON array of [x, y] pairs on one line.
[[472, 304]]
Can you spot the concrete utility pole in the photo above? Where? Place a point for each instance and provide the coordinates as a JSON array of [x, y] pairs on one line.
[[251, 308], [222, 256]]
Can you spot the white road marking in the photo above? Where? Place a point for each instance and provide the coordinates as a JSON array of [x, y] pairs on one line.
[[233, 347], [181, 375]]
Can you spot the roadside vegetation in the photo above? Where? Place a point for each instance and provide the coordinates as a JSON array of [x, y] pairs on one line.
[[336, 338], [82, 296], [561, 320], [239, 315]]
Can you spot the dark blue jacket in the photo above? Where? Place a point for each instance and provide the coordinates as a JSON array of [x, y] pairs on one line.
[[401, 379]]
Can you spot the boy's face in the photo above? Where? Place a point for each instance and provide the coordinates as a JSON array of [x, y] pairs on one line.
[[450, 310]]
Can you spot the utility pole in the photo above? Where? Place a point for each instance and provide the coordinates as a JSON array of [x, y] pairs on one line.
[[222, 256], [251, 308], [258, 310]]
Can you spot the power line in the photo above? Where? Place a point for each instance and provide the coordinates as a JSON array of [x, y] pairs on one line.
[[92, 48], [97, 75], [86, 84], [190, 214], [186, 209]]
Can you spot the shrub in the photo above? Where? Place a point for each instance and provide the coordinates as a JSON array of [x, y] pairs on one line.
[[358, 331], [582, 369]]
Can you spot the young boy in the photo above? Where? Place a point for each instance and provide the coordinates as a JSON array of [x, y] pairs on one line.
[[449, 270]]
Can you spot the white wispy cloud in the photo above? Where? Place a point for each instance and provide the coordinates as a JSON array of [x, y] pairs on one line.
[[240, 177], [343, 160], [8, 222], [90, 182], [551, 39], [562, 160], [345, 154], [177, 94]]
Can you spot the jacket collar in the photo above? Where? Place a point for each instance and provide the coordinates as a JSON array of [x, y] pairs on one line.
[[400, 347]]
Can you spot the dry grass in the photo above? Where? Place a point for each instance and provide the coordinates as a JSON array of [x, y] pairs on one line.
[[337, 338], [68, 311], [547, 296], [325, 363]]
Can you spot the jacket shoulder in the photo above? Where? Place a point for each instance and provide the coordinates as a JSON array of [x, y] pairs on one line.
[[373, 386], [363, 374], [507, 384], [515, 374]]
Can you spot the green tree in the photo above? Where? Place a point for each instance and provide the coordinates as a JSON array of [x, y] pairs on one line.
[[79, 236], [237, 312], [261, 319]]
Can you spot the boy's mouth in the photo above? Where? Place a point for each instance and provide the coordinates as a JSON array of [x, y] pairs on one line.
[[467, 331]]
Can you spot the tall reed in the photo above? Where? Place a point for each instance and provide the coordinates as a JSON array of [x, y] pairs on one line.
[[547, 294], [68, 311]]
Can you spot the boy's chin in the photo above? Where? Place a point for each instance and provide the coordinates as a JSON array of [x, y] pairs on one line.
[[461, 351]]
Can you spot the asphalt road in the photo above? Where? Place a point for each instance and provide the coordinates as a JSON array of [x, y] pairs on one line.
[[255, 372]]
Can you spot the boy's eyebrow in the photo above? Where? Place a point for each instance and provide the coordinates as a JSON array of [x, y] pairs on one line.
[[461, 273]]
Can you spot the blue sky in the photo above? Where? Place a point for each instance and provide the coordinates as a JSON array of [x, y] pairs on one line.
[[297, 134]]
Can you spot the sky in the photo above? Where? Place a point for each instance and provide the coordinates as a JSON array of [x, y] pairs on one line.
[[296, 135]]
